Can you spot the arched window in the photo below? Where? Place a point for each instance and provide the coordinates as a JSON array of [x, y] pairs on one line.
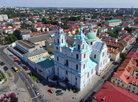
[[91, 43], [62, 40], [66, 63], [77, 56], [57, 58], [94, 55], [84, 66], [84, 55], [83, 46], [58, 40], [76, 66], [78, 47]]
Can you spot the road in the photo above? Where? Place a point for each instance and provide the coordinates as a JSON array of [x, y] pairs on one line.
[[23, 76]]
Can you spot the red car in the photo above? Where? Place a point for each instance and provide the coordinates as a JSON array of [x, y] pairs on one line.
[[51, 90]]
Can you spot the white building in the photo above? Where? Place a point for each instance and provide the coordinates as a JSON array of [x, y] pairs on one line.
[[78, 64]]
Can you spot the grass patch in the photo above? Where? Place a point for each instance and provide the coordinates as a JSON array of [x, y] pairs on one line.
[[9, 74], [1, 75], [34, 78]]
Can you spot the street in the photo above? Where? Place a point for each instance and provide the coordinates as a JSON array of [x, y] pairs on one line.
[[24, 77]]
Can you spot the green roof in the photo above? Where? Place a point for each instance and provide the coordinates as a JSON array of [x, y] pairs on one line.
[[45, 63], [35, 52], [114, 20], [92, 36]]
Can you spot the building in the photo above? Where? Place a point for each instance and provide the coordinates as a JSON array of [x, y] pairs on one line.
[[113, 53], [36, 54], [133, 55], [112, 93], [26, 46], [112, 23], [128, 39], [125, 78], [45, 66], [3, 17], [78, 64], [40, 40]]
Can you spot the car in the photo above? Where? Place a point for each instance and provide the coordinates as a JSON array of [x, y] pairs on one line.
[[51, 90], [2, 63], [11, 55], [37, 92], [6, 69], [59, 94], [19, 62], [26, 68], [58, 91]]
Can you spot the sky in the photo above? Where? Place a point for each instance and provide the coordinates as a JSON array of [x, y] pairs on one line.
[[72, 3]]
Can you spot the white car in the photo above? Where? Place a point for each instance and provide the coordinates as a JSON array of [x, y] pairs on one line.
[[37, 93]]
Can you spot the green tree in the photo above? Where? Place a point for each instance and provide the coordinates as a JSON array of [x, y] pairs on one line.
[[17, 34], [137, 39], [128, 29], [123, 55], [77, 31]]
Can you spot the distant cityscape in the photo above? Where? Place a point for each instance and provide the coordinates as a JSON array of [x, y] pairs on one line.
[[64, 54]]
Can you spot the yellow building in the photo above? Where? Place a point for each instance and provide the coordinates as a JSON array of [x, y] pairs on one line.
[[37, 54]]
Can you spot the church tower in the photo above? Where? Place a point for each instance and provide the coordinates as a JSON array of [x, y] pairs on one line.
[[59, 40]]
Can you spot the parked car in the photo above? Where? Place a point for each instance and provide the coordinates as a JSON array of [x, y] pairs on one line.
[[57, 91], [37, 92], [59, 94], [19, 62], [2, 63], [6, 69], [51, 90], [26, 68]]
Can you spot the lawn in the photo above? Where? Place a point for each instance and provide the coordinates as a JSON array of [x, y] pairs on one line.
[[1, 75], [34, 78], [9, 74]]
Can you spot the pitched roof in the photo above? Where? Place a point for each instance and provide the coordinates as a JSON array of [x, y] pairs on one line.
[[113, 93], [35, 52], [126, 70], [114, 20], [133, 55], [39, 38]]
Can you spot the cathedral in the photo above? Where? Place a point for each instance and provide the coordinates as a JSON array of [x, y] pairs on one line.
[[78, 64]]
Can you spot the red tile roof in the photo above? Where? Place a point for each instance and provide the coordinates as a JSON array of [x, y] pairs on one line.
[[127, 37], [113, 93], [133, 55], [126, 70]]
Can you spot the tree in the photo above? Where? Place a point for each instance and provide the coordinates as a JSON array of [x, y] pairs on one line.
[[137, 39], [128, 29], [17, 34], [77, 31], [123, 55]]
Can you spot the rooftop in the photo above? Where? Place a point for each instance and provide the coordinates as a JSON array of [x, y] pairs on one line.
[[26, 43], [114, 20], [113, 93], [45, 63], [35, 52]]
